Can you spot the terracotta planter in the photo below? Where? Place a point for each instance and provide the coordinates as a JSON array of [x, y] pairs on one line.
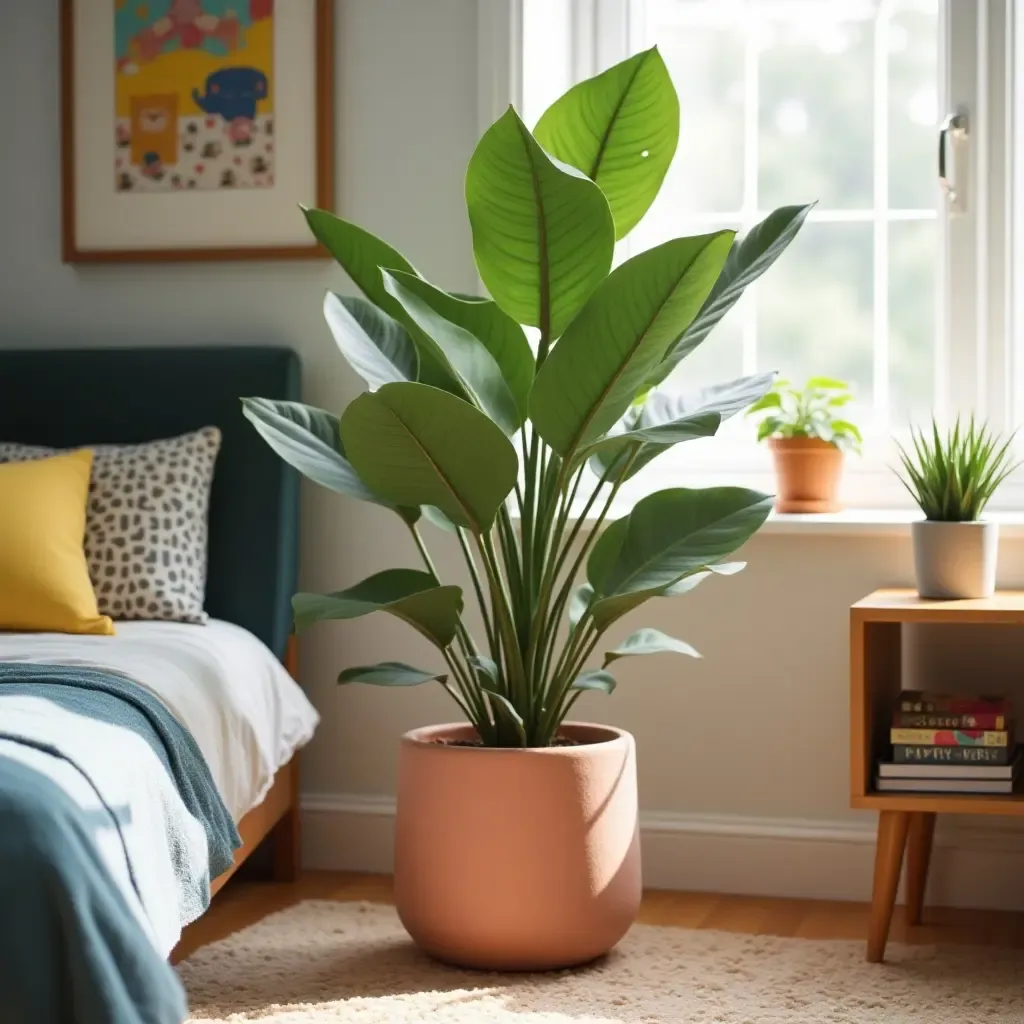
[[517, 859], [808, 471]]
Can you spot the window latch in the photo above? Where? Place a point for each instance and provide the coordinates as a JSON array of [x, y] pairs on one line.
[[953, 131]]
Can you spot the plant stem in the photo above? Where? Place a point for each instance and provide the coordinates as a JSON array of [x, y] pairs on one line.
[[581, 519], [510, 552], [570, 578], [565, 665], [465, 639], [474, 574], [465, 683], [569, 496], [502, 616], [472, 696], [576, 651]]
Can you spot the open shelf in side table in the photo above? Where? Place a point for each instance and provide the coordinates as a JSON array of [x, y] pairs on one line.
[[906, 821]]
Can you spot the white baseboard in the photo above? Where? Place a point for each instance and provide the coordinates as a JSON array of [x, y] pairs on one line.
[[972, 866]]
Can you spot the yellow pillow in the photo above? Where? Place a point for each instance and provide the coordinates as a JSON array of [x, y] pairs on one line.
[[44, 578]]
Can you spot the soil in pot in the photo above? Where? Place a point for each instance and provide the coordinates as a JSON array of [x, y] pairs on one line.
[[808, 472], [512, 859]]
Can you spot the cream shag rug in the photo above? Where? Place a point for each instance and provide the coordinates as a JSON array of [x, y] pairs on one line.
[[351, 963]]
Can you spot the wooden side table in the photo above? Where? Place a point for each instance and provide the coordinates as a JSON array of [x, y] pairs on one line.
[[906, 821]]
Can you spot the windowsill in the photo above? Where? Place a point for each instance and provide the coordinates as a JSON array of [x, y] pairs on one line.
[[872, 523], [855, 522]]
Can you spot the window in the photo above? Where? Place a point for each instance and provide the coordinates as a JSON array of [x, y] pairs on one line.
[[891, 284]]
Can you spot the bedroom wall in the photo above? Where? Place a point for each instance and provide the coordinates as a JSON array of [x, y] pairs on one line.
[[743, 756]]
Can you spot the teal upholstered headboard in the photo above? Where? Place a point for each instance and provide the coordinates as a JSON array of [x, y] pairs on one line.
[[70, 397]]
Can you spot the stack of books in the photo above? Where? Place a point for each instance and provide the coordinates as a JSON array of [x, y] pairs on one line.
[[943, 743]]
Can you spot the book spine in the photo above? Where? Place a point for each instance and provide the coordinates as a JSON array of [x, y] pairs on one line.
[[950, 737], [936, 704], [905, 753], [923, 720]]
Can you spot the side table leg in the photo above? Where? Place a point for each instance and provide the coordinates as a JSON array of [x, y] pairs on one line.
[[919, 855], [889, 846]]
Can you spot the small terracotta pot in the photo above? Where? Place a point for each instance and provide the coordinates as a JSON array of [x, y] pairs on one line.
[[808, 471], [517, 860]]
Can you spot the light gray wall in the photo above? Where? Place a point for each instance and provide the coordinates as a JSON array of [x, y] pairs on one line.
[[743, 755]]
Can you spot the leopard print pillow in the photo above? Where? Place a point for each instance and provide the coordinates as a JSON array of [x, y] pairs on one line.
[[146, 524]]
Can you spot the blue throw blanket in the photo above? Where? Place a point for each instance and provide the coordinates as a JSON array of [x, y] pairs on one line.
[[75, 943]]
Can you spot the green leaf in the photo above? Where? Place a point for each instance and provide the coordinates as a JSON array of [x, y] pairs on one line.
[[437, 518], [688, 583], [748, 260], [485, 667], [669, 536], [490, 325], [410, 595], [605, 554], [678, 531], [666, 420], [827, 384], [376, 346], [389, 673], [725, 399], [308, 439], [505, 711], [579, 603], [621, 129], [542, 234], [594, 679], [416, 445], [461, 354], [623, 455], [846, 427], [607, 610], [361, 255], [773, 400], [648, 641], [621, 334], [769, 426]]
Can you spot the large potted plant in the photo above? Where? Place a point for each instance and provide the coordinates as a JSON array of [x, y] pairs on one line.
[[808, 434], [516, 834], [952, 475]]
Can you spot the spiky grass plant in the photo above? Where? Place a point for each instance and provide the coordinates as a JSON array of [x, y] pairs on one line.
[[952, 476]]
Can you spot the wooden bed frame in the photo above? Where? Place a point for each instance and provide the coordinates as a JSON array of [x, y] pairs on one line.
[[276, 817]]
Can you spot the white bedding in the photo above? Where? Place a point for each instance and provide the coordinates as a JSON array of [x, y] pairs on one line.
[[246, 713]]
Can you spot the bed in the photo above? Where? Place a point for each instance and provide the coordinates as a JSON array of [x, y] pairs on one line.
[[229, 683]]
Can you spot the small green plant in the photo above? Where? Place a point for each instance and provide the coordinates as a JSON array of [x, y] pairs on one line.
[[952, 476], [811, 411]]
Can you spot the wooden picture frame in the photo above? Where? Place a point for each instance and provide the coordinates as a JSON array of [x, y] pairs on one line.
[[81, 194]]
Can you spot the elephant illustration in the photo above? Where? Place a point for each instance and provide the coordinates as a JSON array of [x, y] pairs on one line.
[[233, 93]]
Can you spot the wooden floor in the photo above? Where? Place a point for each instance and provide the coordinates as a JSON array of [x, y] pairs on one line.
[[243, 902]]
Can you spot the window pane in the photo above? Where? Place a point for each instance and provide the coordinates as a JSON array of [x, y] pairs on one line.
[[814, 310], [912, 319], [816, 122], [913, 105], [706, 64], [780, 103]]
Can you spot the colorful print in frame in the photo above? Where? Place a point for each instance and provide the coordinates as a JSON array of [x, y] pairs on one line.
[[219, 120], [193, 94]]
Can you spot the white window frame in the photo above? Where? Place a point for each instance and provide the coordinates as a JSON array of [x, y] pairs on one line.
[[981, 286]]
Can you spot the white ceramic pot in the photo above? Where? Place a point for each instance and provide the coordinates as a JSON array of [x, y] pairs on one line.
[[955, 560]]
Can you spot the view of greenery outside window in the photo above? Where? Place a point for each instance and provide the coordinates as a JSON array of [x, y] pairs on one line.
[[785, 99]]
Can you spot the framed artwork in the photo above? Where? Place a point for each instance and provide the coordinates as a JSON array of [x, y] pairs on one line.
[[192, 129]]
